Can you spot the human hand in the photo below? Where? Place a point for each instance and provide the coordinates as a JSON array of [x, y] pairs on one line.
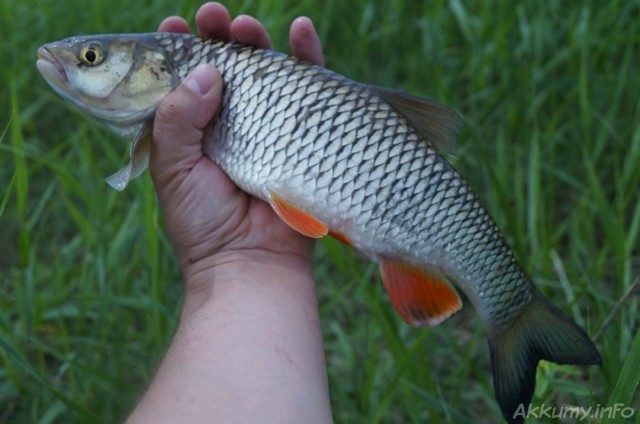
[[209, 220], [248, 347]]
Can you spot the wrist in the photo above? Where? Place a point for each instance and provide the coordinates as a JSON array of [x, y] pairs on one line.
[[249, 323], [227, 275]]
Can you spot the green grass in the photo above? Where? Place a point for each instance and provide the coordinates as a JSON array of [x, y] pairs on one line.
[[90, 291]]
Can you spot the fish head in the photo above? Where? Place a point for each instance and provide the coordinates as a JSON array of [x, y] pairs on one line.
[[117, 79]]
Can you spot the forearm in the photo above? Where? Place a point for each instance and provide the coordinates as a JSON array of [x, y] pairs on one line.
[[248, 349]]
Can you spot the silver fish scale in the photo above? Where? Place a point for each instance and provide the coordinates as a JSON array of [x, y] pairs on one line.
[[336, 149]]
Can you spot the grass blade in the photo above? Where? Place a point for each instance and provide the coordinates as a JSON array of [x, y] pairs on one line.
[[626, 386]]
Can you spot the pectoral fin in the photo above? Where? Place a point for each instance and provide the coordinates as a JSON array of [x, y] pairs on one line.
[[420, 297], [139, 159], [296, 218]]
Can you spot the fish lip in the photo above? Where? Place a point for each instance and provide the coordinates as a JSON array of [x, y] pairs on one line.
[[50, 67]]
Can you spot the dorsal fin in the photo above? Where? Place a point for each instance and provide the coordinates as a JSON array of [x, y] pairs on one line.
[[436, 122]]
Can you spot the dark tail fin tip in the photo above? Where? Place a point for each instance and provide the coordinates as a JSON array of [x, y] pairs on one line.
[[541, 332]]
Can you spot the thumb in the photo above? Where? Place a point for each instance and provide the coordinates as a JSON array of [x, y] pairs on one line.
[[179, 122]]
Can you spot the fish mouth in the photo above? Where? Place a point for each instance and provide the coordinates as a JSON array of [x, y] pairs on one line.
[[50, 68]]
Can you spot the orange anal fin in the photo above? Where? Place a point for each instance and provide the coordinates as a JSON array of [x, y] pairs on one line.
[[340, 237], [296, 218], [420, 297]]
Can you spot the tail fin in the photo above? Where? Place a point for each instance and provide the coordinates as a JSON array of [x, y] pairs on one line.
[[541, 332]]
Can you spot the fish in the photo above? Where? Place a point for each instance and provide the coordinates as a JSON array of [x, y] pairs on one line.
[[332, 156]]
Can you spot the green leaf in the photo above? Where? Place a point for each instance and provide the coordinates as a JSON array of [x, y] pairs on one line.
[[625, 389]]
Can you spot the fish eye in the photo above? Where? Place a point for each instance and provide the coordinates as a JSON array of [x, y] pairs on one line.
[[91, 55]]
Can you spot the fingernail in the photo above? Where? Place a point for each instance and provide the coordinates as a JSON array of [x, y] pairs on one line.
[[200, 80]]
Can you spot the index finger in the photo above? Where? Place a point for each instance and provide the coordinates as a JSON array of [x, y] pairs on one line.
[[174, 24]]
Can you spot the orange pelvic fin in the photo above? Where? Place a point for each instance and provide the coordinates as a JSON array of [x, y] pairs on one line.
[[340, 237], [296, 218], [420, 297]]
